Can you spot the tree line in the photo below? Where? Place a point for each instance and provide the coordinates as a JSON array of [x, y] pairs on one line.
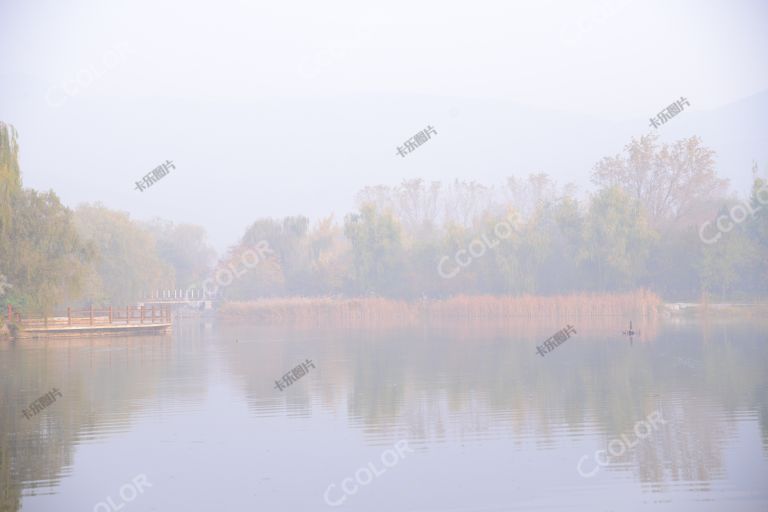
[[51, 255], [659, 217]]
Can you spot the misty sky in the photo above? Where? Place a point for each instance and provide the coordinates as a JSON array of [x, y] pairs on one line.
[[279, 108]]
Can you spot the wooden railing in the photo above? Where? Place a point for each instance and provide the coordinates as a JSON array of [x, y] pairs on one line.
[[90, 317]]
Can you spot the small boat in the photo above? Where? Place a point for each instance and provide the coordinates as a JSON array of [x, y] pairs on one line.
[[630, 332]]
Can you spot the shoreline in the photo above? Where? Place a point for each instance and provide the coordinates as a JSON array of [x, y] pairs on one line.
[[719, 309], [639, 305]]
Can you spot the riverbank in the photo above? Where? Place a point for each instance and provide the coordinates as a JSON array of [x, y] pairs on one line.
[[721, 310], [641, 304]]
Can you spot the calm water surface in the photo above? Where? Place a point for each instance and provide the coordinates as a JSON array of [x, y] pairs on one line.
[[488, 424]]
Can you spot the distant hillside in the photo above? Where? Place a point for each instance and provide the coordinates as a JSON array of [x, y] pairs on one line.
[[312, 156]]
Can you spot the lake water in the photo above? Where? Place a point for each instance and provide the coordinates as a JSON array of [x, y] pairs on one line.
[[424, 418]]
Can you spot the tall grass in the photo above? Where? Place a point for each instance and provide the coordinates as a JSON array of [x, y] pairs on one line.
[[639, 305]]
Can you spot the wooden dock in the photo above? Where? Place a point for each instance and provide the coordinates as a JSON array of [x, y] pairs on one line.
[[132, 320]]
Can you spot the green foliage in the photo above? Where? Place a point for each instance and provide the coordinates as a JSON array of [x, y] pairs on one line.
[[672, 264], [4, 285], [377, 251], [49, 257], [759, 204], [183, 247], [42, 260], [128, 263], [617, 240], [639, 229], [553, 243], [10, 177], [728, 263], [46, 261], [758, 231], [286, 268]]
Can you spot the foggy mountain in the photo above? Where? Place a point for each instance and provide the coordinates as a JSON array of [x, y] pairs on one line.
[[236, 162]]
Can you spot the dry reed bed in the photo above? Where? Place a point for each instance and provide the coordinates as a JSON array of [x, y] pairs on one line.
[[639, 305]]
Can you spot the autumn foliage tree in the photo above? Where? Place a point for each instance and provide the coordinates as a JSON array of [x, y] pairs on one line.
[[668, 181]]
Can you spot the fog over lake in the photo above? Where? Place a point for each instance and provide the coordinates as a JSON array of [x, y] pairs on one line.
[[432, 256]]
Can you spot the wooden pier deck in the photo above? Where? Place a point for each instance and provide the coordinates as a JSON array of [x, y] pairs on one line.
[[132, 320]]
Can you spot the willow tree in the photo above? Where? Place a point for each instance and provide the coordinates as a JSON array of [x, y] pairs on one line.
[[46, 261], [10, 184], [42, 260], [10, 179]]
